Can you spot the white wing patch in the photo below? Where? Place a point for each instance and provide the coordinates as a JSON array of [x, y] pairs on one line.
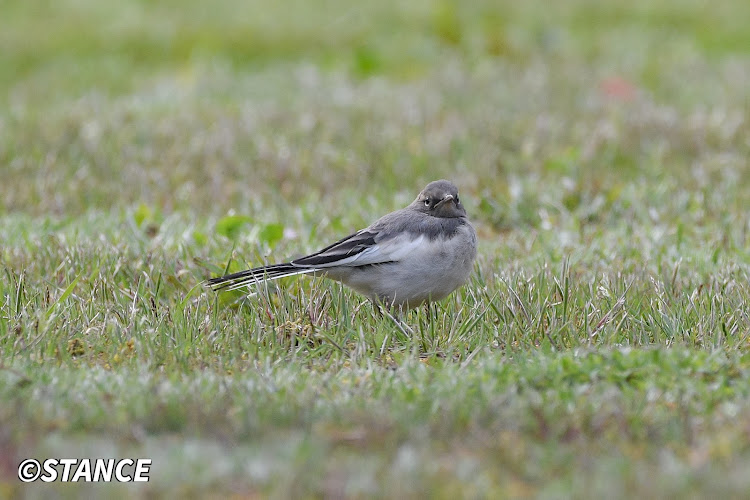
[[398, 248]]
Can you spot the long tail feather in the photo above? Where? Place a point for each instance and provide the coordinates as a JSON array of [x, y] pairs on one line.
[[255, 276]]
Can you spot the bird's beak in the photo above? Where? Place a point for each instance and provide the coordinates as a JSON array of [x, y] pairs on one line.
[[446, 198]]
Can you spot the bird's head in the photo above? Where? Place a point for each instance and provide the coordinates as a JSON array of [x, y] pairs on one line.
[[440, 199]]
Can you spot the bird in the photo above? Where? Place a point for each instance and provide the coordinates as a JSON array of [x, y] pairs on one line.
[[413, 256]]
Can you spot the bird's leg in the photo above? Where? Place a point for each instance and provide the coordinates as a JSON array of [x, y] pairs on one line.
[[429, 311], [429, 324], [378, 308], [403, 327], [425, 325]]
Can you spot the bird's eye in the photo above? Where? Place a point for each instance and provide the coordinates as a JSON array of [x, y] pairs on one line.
[[457, 199], [427, 202]]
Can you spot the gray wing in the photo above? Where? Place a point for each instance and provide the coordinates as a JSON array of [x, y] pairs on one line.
[[386, 240], [343, 250]]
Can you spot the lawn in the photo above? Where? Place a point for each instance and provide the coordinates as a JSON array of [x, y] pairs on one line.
[[602, 151]]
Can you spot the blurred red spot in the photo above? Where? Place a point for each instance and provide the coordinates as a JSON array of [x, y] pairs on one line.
[[616, 87]]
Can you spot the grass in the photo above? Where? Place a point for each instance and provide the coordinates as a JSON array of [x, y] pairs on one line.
[[600, 349]]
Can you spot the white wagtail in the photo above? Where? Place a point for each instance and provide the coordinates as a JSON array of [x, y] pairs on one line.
[[418, 254]]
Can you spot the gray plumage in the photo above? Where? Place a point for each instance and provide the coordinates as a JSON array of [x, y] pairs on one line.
[[418, 254]]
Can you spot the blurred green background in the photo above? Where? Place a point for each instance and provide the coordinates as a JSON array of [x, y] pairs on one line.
[[143, 101]]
